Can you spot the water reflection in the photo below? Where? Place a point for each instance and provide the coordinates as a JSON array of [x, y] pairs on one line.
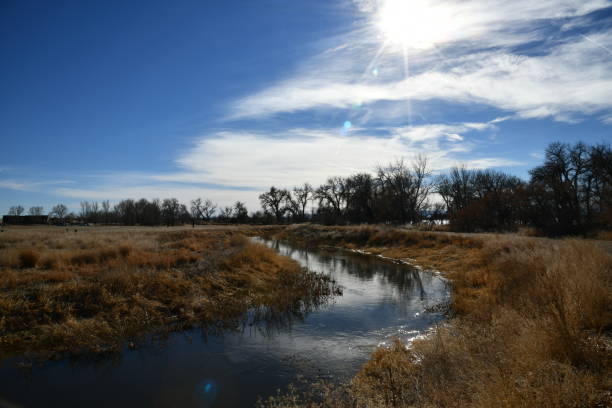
[[383, 280], [380, 301]]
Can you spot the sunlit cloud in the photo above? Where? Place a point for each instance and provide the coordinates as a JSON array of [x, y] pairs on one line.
[[470, 59], [574, 79], [293, 156], [424, 24], [238, 165]]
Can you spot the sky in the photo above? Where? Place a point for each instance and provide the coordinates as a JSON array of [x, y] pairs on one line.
[[107, 100]]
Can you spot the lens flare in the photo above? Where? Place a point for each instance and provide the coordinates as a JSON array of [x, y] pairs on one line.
[[206, 393]]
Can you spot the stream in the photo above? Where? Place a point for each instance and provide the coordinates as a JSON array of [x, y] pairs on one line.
[[381, 301]]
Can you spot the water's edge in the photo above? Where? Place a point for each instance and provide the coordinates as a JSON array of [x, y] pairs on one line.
[[381, 300]]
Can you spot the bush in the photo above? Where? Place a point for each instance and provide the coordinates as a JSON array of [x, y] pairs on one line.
[[49, 263], [125, 250], [28, 258], [83, 258]]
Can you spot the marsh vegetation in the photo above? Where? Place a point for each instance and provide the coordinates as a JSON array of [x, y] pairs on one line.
[[531, 325], [268, 349], [63, 292]]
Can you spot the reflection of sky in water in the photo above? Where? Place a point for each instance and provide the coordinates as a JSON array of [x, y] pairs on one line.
[[380, 301]]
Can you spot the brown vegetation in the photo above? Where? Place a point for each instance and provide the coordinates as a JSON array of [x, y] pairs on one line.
[[62, 292], [531, 326]]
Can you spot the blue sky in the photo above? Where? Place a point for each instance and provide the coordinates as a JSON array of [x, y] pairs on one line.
[[114, 99]]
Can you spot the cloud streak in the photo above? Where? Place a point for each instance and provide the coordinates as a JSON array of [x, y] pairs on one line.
[[229, 166], [479, 64], [258, 160]]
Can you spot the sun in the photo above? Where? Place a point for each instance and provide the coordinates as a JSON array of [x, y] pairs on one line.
[[414, 23]]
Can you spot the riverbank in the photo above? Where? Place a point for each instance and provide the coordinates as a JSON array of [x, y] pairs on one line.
[[530, 327], [66, 292]]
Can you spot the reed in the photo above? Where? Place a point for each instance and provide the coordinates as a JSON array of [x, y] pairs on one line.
[[65, 293], [531, 325]]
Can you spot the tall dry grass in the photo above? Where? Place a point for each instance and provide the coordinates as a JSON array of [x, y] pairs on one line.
[[91, 292], [531, 327]]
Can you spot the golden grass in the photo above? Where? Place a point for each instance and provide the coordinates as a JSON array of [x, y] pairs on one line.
[[62, 292], [531, 326]]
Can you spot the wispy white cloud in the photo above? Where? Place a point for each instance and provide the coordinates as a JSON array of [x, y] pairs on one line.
[[537, 155], [451, 132], [489, 162], [474, 64], [607, 119], [12, 185], [575, 78], [229, 166], [428, 23], [491, 15], [259, 160], [29, 185]]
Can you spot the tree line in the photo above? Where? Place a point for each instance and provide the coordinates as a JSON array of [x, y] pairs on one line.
[[571, 192]]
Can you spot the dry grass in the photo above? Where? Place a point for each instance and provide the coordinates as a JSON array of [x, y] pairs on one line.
[[62, 292], [531, 329]]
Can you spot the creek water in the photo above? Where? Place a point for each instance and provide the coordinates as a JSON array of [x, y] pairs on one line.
[[381, 300]]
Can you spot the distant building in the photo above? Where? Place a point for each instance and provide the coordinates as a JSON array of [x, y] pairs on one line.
[[25, 219]]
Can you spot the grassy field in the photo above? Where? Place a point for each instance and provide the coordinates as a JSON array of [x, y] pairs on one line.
[[530, 325], [66, 291], [530, 318]]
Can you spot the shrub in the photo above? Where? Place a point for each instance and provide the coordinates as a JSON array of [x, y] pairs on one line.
[[49, 263], [83, 258], [125, 250], [28, 258], [106, 254]]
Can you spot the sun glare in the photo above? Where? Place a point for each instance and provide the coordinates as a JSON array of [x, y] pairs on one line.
[[414, 23]]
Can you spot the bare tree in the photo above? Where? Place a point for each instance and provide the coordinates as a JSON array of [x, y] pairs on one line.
[[406, 188], [59, 211], [89, 211], [226, 214], [569, 187], [456, 188], [125, 210], [273, 201], [195, 211], [297, 201], [332, 195], [105, 211], [361, 198], [481, 199], [203, 210], [16, 210], [36, 210], [171, 211], [241, 214]]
